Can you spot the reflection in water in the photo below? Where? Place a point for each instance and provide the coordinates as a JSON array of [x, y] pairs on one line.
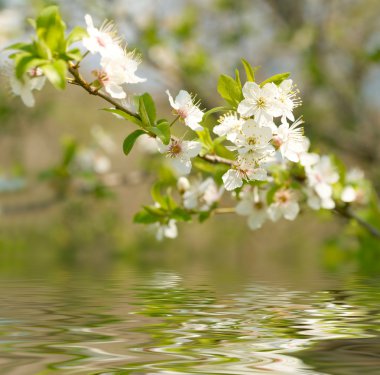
[[157, 325]]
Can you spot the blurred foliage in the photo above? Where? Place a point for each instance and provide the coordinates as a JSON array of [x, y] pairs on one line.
[[330, 46]]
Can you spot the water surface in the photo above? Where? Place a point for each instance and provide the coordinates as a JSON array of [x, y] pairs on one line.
[[167, 322]]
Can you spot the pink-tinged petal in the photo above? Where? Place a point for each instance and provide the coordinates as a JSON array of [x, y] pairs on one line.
[[183, 98], [232, 180]]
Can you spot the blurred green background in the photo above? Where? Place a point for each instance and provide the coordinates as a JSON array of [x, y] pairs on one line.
[[331, 48]]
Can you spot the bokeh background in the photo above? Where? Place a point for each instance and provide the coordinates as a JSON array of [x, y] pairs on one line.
[[331, 48]]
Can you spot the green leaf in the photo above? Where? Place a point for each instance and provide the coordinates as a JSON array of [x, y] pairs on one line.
[[162, 130], [25, 62], [25, 47], [214, 110], [180, 214], [56, 72], [276, 79], [130, 140], [74, 54], [249, 70], [144, 217], [237, 77], [125, 115], [203, 216], [156, 211], [157, 196], [70, 149], [76, 35], [206, 140], [51, 29], [147, 109], [229, 90]]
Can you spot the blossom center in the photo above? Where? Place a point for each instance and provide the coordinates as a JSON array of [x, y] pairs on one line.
[[175, 149], [282, 196], [261, 103]]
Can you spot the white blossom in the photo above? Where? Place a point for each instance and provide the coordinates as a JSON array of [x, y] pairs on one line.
[[200, 194], [89, 160], [184, 107], [254, 141], [100, 40], [33, 80], [180, 152], [229, 126], [288, 100], [253, 206], [168, 230], [285, 204], [290, 141], [234, 177], [355, 189], [321, 176], [259, 101]]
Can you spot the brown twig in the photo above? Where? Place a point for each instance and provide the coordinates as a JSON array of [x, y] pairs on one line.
[[347, 213]]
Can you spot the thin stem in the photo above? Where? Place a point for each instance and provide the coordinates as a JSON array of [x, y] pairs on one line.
[[174, 121], [225, 210], [79, 80], [347, 213], [215, 159]]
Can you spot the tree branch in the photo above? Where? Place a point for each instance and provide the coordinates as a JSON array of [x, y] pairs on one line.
[[347, 213]]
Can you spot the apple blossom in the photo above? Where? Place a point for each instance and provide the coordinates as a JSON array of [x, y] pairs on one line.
[[180, 152], [253, 205], [260, 102], [184, 107], [285, 203]]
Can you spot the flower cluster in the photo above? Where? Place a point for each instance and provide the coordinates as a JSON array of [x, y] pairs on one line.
[[259, 154], [118, 65], [255, 136]]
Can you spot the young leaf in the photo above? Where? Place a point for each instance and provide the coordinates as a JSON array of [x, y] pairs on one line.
[[76, 34], [237, 77], [229, 90], [276, 79], [51, 29], [56, 72], [249, 70], [125, 115], [157, 196], [162, 130], [23, 63], [147, 109], [206, 140], [213, 110], [144, 217], [130, 140], [181, 214]]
